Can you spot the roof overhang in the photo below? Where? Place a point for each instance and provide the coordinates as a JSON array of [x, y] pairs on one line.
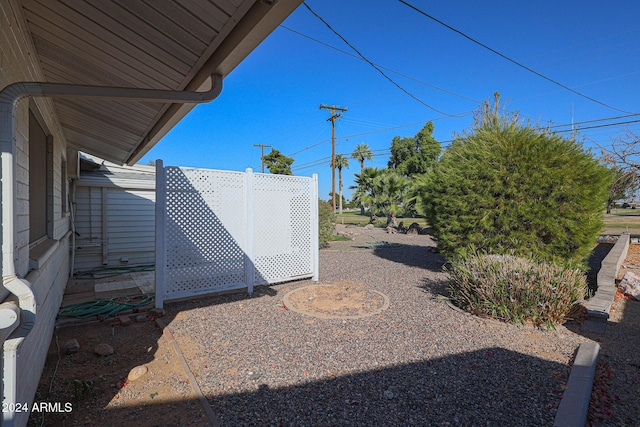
[[169, 45]]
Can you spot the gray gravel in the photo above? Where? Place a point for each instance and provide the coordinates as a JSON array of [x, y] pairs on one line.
[[418, 363]]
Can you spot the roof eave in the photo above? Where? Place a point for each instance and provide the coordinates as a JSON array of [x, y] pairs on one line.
[[259, 21]]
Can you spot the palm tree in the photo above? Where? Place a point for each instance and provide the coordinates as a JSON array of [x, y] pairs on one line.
[[366, 190], [341, 162], [390, 194], [360, 153]]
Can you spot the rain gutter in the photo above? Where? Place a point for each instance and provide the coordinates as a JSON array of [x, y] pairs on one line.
[[19, 287]]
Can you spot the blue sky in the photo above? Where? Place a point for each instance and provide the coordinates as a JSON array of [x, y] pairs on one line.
[[273, 97]]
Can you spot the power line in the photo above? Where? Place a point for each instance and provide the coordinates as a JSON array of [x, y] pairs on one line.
[[380, 66], [386, 151], [509, 59], [601, 126], [371, 63], [324, 141]]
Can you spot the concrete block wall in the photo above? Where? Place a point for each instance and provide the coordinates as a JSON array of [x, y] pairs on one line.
[[599, 305]]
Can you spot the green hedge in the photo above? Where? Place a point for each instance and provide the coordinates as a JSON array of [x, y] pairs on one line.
[[507, 187]]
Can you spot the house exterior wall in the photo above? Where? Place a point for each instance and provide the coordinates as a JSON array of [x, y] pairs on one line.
[[129, 237], [50, 276]]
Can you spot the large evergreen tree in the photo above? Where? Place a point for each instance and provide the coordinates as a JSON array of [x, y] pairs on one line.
[[278, 163], [415, 155], [508, 187]]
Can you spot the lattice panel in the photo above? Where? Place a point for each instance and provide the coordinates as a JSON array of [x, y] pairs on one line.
[[282, 226], [228, 230], [204, 231]]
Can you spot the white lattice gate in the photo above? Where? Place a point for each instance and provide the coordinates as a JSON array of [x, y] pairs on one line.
[[221, 230]]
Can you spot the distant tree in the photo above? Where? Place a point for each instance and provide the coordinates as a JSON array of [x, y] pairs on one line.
[[341, 162], [625, 183], [624, 153], [151, 163], [278, 163], [415, 155], [345, 201], [361, 153]]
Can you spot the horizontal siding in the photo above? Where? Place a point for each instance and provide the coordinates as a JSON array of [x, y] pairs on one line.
[[130, 215], [48, 283]]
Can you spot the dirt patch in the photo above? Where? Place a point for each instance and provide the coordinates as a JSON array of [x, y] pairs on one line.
[[343, 300], [97, 389]]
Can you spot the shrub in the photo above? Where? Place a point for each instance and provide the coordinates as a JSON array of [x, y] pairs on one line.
[[509, 188], [380, 223], [326, 221], [515, 289]]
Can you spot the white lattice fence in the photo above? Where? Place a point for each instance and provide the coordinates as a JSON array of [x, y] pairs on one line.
[[221, 230]]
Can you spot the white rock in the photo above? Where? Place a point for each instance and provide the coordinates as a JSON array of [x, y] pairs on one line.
[[137, 372]]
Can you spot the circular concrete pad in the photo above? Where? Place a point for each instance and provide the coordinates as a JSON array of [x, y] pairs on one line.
[[343, 300]]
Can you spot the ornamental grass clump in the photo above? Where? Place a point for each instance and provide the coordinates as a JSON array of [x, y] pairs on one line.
[[515, 289]]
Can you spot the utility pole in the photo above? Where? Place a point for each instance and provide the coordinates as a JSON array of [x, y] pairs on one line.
[[332, 119], [262, 156]]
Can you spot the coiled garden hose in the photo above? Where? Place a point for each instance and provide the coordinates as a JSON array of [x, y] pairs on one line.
[[104, 308]]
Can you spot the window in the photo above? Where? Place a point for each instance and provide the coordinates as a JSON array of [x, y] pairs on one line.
[[38, 180]]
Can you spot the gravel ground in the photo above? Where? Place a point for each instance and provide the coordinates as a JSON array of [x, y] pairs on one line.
[[419, 362]]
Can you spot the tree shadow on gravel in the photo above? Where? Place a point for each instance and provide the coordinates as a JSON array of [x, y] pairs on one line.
[[435, 287], [411, 255], [494, 387]]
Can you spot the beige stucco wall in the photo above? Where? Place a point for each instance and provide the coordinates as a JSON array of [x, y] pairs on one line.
[[49, 280]]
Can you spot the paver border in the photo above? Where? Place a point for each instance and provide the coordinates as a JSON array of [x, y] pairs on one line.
[[574, 406]]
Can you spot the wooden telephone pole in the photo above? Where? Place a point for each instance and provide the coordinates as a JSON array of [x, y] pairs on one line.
[[332, 119], [262, 156]]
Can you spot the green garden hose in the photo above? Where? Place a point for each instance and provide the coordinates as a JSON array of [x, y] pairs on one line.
[[104, 308], [106, 272]]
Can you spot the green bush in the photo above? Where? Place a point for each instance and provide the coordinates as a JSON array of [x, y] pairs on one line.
[[515, 289], [326, 221], [380, 223], [509, 188]]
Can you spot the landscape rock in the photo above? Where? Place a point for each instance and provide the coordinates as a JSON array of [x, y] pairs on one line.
[[103, 349], [347, 234], [124, 320], [72, 346], [630, 285], [369, 226], [137, 372]]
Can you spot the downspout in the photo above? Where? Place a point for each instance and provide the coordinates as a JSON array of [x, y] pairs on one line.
[[9, 98]]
